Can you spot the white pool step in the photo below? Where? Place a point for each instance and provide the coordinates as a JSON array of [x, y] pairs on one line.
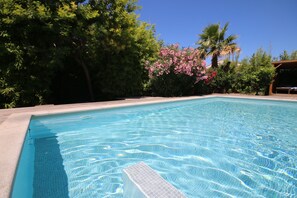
[[141, 181]]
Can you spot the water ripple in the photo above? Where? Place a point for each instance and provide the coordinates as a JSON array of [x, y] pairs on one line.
[[216, 148]]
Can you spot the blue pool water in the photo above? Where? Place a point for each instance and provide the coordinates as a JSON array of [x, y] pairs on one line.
[[214, 147]]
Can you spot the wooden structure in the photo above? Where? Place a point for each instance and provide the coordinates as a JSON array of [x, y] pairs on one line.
[[283, 65]]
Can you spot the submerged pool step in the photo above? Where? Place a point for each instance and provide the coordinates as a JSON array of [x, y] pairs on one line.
[[141, 181]]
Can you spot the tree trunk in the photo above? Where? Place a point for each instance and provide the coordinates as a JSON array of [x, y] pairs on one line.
[[214, 61], [79, 60]]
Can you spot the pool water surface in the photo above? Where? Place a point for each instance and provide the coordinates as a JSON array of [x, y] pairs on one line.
[[214, 147]]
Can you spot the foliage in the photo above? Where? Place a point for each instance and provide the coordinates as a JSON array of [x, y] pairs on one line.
[[294, 55], [224, 79], [46, 47], [176, 71], [213, 42], [286, 56], [254, 75], [123, 54], [26, 53], [203, 86]]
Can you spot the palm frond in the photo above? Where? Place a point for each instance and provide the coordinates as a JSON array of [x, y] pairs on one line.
[[213, 42]]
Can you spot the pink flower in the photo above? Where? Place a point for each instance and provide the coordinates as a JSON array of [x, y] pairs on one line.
[[181, 61]]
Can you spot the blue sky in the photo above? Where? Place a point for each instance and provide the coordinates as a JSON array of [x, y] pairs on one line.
[[269, 24]]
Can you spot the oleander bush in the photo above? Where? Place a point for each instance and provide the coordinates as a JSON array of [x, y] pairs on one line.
[[176, 71]]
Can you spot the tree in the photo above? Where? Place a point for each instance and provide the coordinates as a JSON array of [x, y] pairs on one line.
[[49, 47], [213, 42], [293, 55], [255, 74], [75, 24], [284, 56], [124, 45], [27, 55]]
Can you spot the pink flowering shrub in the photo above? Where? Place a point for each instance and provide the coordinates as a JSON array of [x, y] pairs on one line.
[[176, 71], [179, 61]]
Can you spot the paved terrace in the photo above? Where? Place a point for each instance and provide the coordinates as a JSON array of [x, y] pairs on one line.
[[14, 124]]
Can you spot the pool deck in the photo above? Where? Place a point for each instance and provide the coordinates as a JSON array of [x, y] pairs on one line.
[[14, 124]]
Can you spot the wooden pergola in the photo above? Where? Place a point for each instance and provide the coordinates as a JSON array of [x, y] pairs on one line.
[[283, 65]]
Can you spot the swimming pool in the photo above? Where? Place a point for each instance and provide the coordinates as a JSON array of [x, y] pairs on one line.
[[214, 147]]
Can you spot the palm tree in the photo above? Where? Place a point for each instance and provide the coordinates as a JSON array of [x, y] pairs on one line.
[[212, 42]]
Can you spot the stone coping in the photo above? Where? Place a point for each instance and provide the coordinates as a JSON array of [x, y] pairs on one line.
[[14, 127]]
